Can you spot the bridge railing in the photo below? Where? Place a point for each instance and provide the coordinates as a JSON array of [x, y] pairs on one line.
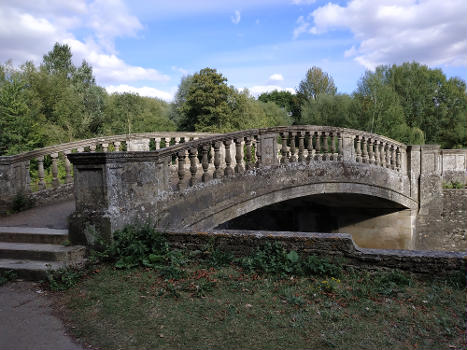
[[48, 168], [233, 153]]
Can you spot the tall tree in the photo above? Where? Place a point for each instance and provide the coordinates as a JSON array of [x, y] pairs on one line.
[[316, 83], [286, 100], [207, 103]]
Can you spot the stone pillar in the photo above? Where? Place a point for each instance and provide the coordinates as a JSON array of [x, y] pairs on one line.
[[268, 149], [113, 190], [347, 147], [138, 145]]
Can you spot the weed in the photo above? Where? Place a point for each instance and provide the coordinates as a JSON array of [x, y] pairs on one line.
[[6, 276], [454, 185], [63, 279], [21, 202]]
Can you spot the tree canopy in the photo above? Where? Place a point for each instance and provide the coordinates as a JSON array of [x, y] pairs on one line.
[[59, 102]]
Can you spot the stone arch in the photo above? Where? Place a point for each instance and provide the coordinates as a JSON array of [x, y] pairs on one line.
[[221, 215]]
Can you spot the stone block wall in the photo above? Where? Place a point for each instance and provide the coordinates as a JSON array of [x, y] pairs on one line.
[[443, 225], [329, 245]]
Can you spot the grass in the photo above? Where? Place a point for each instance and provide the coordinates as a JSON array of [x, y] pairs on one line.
[[150, 296], [226, 307]]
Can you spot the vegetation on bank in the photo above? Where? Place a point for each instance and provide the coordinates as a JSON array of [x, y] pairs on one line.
[[59, 102], [146, 295]]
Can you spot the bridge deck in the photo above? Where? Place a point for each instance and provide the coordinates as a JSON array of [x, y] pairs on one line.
[[50, 216]]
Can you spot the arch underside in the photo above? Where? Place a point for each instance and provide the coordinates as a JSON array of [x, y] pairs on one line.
[[219, 215]]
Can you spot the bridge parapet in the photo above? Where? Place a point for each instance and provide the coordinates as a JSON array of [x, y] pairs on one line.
[[47, 172]]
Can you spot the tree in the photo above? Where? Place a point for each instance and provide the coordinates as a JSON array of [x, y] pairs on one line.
[[286, 100], [332, 110], [315, 84], [207, 105], [176, 108], [58, 61], [377, 109]]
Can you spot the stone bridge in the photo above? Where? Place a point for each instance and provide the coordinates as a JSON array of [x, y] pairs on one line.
[[375, 188]]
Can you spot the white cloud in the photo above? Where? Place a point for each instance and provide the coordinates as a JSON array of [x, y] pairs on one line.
[[276, 77], [236, 17], [142, 91], [302, 27], [394, 31], [259, 89], [111, 19], [28, 31]]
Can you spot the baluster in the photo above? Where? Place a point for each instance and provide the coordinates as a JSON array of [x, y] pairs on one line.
[[333, 146], [301, 146], [377, 156], [371, 153], [80, 149], [318, 155], [309, 147], [340, 146], [68, 177], [92, 148], [157, 143], [284, 152], [393, 157], [27, 175], [217, 160], [228, 171], [40, 169], [238, 156], [55, 181], [117, 145], [176, 140], [398, 159], [365, 150], [358, 151], [193, 167], [205, 162], [181, 169], [388, 155], [258, 153], [382, 154], [105, 147], [248, 165], [325, 146], [292, 158]]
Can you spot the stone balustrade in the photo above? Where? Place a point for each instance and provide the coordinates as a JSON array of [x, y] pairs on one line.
[[48, 168], [228, 154]]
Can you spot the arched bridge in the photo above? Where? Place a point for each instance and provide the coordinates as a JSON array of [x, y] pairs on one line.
[[210, 182]]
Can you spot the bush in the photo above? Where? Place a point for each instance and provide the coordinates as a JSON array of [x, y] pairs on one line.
[[63, 279]]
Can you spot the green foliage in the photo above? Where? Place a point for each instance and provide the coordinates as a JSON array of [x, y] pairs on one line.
[[143, 246], [204, 102], [454, 185], [7, 276], [273, 258], [63, 279], [59, 102], [21, 202], [316, 84], [286, 100]]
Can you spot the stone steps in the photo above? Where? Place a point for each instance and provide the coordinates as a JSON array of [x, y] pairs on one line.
[[31, 252], [33, 235]]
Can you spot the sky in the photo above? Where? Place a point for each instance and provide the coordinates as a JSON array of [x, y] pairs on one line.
[[146, 47]]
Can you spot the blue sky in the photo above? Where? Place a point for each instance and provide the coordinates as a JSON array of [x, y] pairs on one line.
[[262, 45]]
